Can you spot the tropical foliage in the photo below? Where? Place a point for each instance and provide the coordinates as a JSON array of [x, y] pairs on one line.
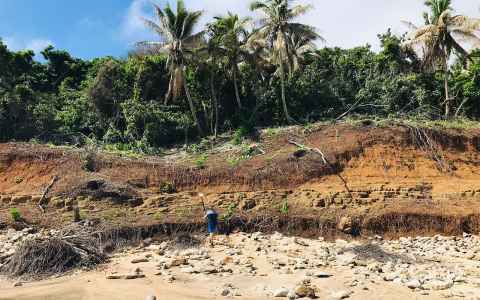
[[443, 33], [233, 76]]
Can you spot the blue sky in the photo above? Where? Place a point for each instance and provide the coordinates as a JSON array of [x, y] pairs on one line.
[[91, 28]]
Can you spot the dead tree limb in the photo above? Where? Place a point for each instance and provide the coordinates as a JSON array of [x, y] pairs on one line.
[[43, 199], [325, 161]]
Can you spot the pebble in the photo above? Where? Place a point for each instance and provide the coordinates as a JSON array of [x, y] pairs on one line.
[[139, 260], [340, 295], [283, 292], [413, 284]]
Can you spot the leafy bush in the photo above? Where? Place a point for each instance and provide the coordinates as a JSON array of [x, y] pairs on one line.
[[15, 214], [167, 187], [284, 208], [201, 160]]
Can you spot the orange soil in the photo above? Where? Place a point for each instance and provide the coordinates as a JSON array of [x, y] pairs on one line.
[[368, 158]]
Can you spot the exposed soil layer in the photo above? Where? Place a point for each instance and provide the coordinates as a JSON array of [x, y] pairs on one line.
[[398, 180]]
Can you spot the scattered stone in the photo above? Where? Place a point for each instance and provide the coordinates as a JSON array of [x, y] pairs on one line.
[[292, 295], [340, 295], [322, 275], [114, 276], [300, 242], [345, 224], [305, 291], [135, 276], [139, 260], [413, 284], [437, 285], [281, 293]]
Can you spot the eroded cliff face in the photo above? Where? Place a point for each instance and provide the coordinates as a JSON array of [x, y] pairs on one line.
[[372, 175]]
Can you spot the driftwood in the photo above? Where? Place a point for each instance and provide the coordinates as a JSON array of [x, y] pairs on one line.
[[43, 199], [325, 161]]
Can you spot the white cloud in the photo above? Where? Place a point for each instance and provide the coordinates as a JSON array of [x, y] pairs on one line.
[[133, 29], [343, 23], [11, 43], [36, 44]]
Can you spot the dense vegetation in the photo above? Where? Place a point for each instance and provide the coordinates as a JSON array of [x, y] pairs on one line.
[[232, 77]]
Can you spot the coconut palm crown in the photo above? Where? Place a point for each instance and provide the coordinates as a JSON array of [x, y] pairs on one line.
[[178, 41], [276, 25], [232, 35], [443, 33]]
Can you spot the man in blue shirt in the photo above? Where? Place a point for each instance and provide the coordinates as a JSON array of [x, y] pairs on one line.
[[212, 223]]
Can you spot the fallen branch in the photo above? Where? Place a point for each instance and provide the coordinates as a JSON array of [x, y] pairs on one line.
[[42, 200], [325, 161]]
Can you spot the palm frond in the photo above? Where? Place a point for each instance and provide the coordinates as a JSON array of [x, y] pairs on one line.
[[464, 23], [155, 27], [465, 36], [257, 5], [410, 25], [458, 48], [299, 10], [190, 22]]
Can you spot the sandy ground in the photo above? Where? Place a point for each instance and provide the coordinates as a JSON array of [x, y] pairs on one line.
[[233, 254]]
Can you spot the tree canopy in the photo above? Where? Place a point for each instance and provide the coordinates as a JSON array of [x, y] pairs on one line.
[[233, 75]]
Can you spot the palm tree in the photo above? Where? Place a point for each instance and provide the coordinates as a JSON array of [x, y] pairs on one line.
[[178, 42], [442, 34], [211, 61], [232, 40], [275, 27]]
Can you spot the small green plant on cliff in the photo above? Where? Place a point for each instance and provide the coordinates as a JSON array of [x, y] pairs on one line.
[[284, 208], [271, 132], [167, 187], [200, 161], [234, 161], [18, 179], [15, 214], [227, 216]]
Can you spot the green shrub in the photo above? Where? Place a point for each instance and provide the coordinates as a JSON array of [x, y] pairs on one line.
[[167, 187], [15, 214], [241, 133], [227, 216], [285, 207], [200, 161], [234, 161]]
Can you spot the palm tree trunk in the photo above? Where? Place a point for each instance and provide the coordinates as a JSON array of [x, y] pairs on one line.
[[190, 103], [284, 101], [215, 105], [168, 95], [235, 84], [447, 90]]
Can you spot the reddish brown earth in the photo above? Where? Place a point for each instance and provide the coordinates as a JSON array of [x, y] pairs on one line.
[[400, 180]]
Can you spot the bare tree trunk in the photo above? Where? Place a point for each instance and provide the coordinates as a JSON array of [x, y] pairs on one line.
[[283, 43], [447, 90], [215, 104], [168, 95], [284, 101], [235, 84], [190, 103]]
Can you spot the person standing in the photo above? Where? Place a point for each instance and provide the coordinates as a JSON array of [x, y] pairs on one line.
[[212, 223]]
